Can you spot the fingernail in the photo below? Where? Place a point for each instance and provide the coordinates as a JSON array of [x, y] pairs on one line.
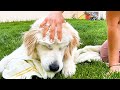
[[59, 41], [43, 38], [40, 25], [51, 40]]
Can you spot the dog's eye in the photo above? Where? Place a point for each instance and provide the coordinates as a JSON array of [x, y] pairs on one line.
[[67, 45], [63, 47], [49, 47], [60, 48]]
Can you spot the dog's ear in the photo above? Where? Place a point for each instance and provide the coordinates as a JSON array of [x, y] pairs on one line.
[[66, 53], [74, 43], [30, 41]]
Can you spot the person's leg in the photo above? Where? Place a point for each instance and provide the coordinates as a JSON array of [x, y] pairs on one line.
[[104, 51]]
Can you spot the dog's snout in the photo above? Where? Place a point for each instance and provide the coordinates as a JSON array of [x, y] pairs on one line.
[[54, 67]]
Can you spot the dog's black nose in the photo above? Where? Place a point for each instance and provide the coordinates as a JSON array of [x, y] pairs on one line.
[[54, 67]]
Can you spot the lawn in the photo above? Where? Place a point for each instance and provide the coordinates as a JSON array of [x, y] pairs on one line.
[[91, 33]]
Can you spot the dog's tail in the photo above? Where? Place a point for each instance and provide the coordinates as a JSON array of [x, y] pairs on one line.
[[88, 53]]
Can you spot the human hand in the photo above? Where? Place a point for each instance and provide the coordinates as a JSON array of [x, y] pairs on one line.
[[53, 21], [115, 68]]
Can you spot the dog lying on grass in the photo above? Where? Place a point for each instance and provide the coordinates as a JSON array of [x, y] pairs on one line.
[[52, 57]]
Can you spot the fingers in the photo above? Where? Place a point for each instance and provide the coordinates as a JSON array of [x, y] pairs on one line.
[[59, 31], [45, 26], [115, 69], [44, 22], [52, 31], [45, 31], [54, 25]]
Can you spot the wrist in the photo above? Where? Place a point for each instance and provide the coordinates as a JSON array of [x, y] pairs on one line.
[[59, 12], [118, 64]]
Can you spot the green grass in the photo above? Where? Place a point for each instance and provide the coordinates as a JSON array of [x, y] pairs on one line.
[[11, 36], [91, 33]]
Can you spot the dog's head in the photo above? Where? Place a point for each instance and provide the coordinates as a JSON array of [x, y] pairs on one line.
[[51, 54]]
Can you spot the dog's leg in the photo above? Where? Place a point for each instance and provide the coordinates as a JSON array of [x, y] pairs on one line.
[[69, 67], [88, 53], [17, 54]]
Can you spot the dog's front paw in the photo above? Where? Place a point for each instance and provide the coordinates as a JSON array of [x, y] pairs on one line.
[[69, 69]]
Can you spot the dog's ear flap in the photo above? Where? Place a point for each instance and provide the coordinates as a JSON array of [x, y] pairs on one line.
[[74, 43], [30, 41], [66, 53]]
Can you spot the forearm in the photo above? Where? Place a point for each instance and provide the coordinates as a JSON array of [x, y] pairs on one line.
[[56, 12], [113, 46], [113, 37]]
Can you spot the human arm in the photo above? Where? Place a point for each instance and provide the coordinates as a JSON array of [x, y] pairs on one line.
[[113, 40]]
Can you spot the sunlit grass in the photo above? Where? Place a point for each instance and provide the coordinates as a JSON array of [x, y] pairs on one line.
[[91, 33]]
